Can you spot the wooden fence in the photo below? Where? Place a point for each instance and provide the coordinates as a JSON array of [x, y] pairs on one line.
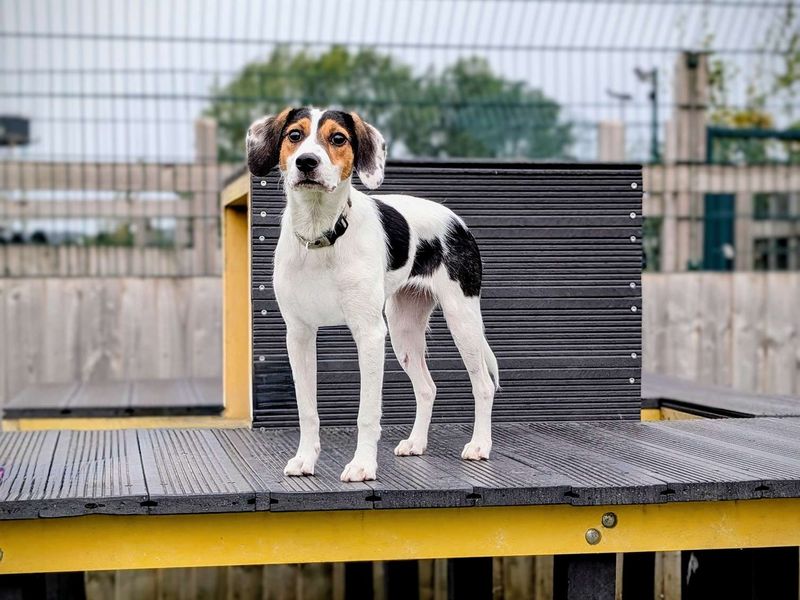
[[70, 329], [740, 329], [113, 219]]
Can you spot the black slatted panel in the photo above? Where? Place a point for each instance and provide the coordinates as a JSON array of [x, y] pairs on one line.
[[561, 297]]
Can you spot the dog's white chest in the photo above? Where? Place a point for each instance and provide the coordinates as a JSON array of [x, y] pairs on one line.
[[306, 289]]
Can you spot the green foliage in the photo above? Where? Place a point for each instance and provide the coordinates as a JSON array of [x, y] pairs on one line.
[[763, 84], [465, 110]]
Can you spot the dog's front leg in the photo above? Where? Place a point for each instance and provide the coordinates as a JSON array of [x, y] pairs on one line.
[[301, 344], [370, 337]]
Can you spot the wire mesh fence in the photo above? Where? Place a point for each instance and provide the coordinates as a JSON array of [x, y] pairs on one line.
[[121, 120]]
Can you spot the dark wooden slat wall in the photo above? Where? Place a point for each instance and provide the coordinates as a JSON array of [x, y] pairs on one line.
[[561, 297]]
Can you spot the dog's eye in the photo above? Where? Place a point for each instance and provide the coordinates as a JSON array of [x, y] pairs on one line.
[[295, 135], [338, 139]]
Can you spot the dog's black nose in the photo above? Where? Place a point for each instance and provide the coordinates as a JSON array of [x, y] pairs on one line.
[[307, 162]]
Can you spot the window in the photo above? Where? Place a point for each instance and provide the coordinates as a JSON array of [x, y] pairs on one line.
[[775, 254]]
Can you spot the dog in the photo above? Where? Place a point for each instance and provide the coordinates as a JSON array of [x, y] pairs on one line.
[[343, 257]]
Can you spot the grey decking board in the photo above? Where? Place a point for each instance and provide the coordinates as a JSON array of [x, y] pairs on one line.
[[26, 458], [149, 397], [501, 481], [207, 392], [777, 480], [189, 471], [757, 449], [201, 471], [95, 472], [562, 277], [688, 477], [596, 479], [267, 452], [692, 394], [405, 482], [52, 397]]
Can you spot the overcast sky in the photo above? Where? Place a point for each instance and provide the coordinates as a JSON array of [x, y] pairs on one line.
[[123, 80]]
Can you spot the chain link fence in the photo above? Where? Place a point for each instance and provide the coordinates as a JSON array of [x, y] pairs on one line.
[[119, 121]]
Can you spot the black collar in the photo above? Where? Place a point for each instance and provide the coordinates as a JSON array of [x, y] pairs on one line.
[[329, 237]]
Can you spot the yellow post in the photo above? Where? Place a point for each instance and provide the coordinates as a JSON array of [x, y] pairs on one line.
[[236, 301]]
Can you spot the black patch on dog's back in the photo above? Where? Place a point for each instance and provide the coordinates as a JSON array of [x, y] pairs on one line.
[[463, 259], [397, 234], [427, 258]]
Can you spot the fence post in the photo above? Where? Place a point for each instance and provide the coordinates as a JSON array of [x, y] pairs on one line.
[[611, 141], [686, 144], [204, 222]]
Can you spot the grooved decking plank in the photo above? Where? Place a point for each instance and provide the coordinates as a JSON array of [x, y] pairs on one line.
[[501, 481], [96, 472], [403, 482], [597, 479], [189, 471], [208, 393], [25, 458], [266, 453], [775, 479], [176, 396], [54, 474], [45, 399], [666, 388], [102, 397], [688, 477], [119, 398]]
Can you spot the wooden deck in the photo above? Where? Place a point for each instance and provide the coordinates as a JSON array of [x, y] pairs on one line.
[[146, 472], [147, 397], [663, 391]]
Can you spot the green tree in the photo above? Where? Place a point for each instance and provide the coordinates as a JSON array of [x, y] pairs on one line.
[[465, 110], [777, 80]]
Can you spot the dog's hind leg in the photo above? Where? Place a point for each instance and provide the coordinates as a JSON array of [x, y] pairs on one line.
[[407, 313], [463, 316]]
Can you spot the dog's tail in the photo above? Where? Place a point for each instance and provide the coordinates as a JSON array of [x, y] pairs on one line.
[[491, 363]]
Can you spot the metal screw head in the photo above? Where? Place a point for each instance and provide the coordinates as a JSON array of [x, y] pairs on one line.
[[609, 520], [631, 380], [634, 355], [633, 215], [634, 309], [261, 287], [632, 284], [634, 185], [593, 536], [263, 213], [261, 238], [262, 358], [264, 312], [633, 238], [263, 183]]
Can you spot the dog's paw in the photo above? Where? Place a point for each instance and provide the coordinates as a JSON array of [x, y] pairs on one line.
[[476, 450], [360, 470], [410, 447], [299, 465]]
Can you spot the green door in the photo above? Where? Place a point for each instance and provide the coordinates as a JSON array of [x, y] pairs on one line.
[[718, 232]]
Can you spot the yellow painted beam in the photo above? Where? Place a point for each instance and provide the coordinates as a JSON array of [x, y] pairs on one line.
[[236, 304], [136, 542], [236, 192], [95, 423], [650, 414], [672, 414]]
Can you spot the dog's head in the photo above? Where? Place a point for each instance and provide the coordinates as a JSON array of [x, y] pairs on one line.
[[316, 149]]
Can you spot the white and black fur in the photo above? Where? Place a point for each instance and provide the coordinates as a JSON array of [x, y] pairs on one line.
[[399, 254]]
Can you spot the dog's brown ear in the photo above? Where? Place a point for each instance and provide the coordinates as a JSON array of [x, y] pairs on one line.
[[264, 141], [370, 160]]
